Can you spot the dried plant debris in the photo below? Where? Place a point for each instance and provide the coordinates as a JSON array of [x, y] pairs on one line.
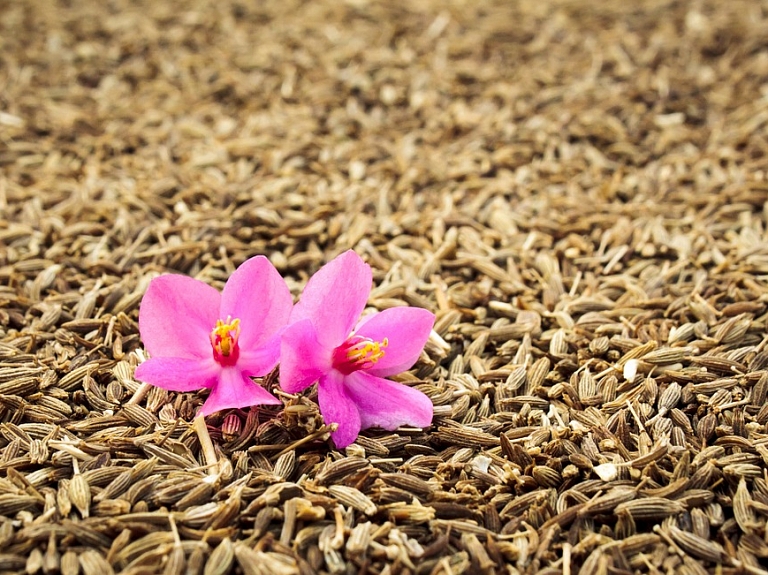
[[577, 190]]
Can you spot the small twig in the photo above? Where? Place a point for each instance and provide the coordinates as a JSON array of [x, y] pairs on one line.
[[206, 445], [312, 436], [338, 537], [291, 446], [139, 394], [168, 433], [636, 416]]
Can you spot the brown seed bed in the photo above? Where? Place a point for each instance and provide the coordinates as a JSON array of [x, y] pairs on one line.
[[578, 191]]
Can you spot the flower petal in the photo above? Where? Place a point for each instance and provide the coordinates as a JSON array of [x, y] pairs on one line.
[[177, 315], [302, 358], [334, 297], [258, 361], [406, 330], [178, 373], [337, 407], [235, 390], [387, 404], [257, 295]]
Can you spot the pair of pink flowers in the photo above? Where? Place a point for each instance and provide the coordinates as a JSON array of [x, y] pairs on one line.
[[198, 337]]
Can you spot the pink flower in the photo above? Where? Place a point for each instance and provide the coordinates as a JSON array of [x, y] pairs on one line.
[[322, 344], [198, 337]]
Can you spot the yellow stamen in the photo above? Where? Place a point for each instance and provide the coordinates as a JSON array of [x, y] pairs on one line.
[[224, 335], [367, 351]]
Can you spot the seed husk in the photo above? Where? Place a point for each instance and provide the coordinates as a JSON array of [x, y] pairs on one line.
[[588, 229]]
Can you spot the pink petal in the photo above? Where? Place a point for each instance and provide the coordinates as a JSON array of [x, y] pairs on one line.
[[177, 315], [178, 373], [302, 358], [337, 407], [234, 390], [387, 404], [260, 360], [406, 329], [257, 295], [335, 297]]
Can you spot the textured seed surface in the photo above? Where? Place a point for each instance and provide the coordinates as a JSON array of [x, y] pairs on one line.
[[577, 190]]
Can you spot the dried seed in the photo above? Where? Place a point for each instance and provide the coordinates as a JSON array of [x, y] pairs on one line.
[[599, 345], [537, 373], [650, 508], [409, 483], [80, 494], [138, 415], [608, 502], [760, 390], [195, 561], [111, 507], [353, 497], [546, 476], [700, 523], [70, 564], [742, 508], [669, 398], [221, 559], [197, 495], [93, 563], [254, 562], [176, 561], [10, 504], [121, 483], [285, 464], [226, 512], [699, 547], [336, 471], [666, 355]]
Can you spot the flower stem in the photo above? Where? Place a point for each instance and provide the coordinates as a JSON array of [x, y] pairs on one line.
[[139, 394], [209, 453]]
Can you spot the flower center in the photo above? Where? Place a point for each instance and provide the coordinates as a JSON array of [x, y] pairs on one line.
[[224, 340], [358, 353]]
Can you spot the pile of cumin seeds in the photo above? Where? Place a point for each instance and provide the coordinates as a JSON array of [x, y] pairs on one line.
[[577, 191]]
